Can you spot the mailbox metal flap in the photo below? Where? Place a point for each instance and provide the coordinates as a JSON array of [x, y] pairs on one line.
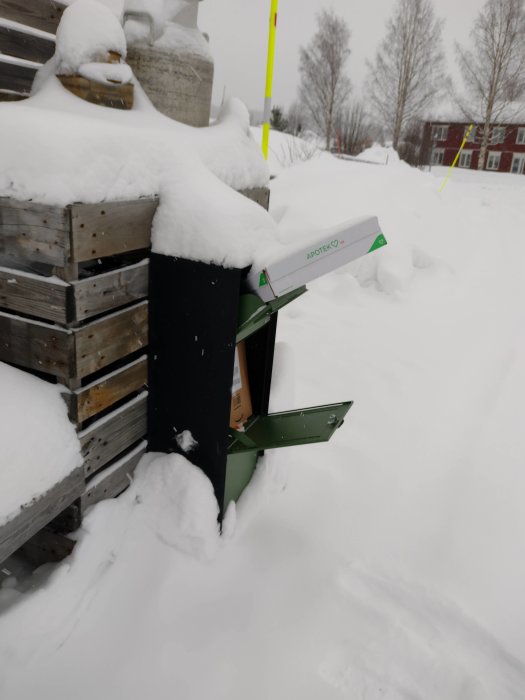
[[290, 428], [254, 313]]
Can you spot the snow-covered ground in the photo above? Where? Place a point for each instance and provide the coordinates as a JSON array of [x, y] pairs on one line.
[[386, 564]]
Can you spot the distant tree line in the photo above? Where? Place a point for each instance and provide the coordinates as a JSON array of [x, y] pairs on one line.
[[406, 78]]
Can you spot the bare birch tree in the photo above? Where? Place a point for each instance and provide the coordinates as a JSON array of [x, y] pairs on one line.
[[353, 129], [324, 86], [494, 70], [408, 70]]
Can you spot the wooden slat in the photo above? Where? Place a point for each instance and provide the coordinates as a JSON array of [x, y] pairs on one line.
[[113, 480], [23, 45], [103, 393], [43, 297], [39, 14], [9, 96], [39, 513], [34, 232], [16, 77], [110, 228], [114, 433], [99, 343], [35, 345], [110, 290], [107, 95]]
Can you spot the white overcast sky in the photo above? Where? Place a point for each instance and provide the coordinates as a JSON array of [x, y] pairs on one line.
[[238, 32]]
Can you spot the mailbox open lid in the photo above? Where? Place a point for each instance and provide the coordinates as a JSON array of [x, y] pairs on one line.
[[264, 431], [325, 252]]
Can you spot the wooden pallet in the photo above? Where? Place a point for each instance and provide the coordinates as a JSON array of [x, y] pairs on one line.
[[74, 309], [65, 237], [37, 514]]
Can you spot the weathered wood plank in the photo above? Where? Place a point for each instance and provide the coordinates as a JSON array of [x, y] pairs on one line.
[[110, 290], [43, 297], [111, 435], [37, 514], [35, 345], [14, 42], [39, 14], [29, 214], [100, 395], [111, 338], [109, 228], [14, 76], [107, 95], [113, 480], [34, 232], [10, 96]]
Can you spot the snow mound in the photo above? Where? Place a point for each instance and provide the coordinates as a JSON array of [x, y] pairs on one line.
[[87, 31], [179, 504], [38, 444], [380, 154]]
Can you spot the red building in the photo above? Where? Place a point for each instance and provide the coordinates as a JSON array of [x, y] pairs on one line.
[[506, 150]]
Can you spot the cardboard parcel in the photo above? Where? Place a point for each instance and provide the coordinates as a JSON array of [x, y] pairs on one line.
[[241, 404], [335, 247]]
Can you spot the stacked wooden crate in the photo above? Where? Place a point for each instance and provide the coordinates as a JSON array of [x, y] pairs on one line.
[[74, 310]]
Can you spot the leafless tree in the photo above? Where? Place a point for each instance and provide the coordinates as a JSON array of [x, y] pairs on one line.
[[353, 130], [324, 87], [408, 70], [410, 147], [296, 118], [494, 70]]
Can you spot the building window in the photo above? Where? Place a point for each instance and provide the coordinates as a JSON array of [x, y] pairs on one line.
[[439, 133], [465, 159], [498, 135], [472, 136], [520, 138], [518, 164], [437, 156], [493, 160]]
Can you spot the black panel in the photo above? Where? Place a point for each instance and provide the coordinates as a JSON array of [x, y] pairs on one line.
[[260, 348], [193, 321]]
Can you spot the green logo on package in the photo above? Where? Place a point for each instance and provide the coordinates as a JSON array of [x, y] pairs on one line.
[[262, 279], [327, 248], [379, 242]]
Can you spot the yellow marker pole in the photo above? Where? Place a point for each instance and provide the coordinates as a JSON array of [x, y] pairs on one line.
[[456, 158], [269, 78]]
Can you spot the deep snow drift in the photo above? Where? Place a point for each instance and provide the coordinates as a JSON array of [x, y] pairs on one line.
[[386, 564]]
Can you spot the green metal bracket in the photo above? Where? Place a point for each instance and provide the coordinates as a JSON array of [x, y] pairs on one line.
[[290, 428], [254, 313]]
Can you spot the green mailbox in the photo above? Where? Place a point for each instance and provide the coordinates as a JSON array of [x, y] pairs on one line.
[[201, 316], [191, 365]]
